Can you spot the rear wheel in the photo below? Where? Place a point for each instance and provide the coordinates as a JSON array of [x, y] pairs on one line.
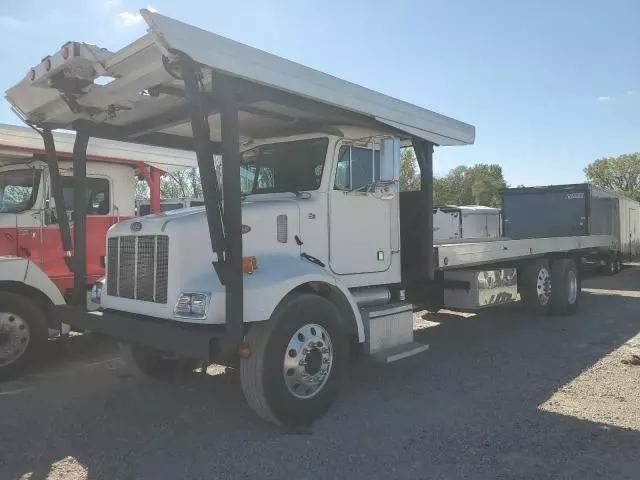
[[535, 286], [611, 267], [566, 281], [23, 332], [297, 362]]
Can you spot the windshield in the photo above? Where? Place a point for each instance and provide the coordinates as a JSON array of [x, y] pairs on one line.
[[283, 167], [18, 190]]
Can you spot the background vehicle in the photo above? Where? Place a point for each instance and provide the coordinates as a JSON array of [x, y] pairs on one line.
[[143, 206], [571, 210], [453, 223], [34, 268], [321, 254]]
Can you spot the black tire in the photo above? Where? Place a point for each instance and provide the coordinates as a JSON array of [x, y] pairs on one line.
[[155, 365], [610, 267], [567, 287], [618, 265], [262, 374], [33, 319], [533, 299]]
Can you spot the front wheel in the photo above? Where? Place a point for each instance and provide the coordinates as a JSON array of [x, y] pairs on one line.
[[23, 332], [297, 361]]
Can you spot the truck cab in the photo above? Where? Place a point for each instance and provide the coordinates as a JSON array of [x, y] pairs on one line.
[[315, 195], [36, 268], [29, 227]]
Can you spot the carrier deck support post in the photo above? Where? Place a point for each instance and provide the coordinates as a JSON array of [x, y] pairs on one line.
[[424, 156], [224, 216], [56, 190], [80, 218]]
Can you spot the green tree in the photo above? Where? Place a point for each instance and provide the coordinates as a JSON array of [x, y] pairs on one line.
[[620, 174], [476, 185], [180, 184], [409, 172]]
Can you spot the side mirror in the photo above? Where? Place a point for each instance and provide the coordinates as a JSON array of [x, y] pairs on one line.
[[390, 160], [388, 184]]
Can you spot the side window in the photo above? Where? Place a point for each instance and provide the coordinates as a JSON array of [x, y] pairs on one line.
[[98, 200], [266, 178], [358, 168]]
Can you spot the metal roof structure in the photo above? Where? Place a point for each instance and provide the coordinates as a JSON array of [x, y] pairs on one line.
[[144, 100]]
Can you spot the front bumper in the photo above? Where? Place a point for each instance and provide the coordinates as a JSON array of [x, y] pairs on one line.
[[202, 342]]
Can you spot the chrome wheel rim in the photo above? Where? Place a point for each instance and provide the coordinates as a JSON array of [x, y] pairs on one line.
[[14, 337], [308, 359], [543, 286], [572, 287]]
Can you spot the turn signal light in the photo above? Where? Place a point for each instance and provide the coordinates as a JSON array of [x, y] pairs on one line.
[[249, 264]]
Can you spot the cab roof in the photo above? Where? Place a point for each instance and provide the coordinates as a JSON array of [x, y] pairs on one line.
[[19, 144], [144, 102]]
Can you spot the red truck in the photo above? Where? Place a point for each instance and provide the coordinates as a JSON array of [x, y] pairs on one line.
[[35, 271]]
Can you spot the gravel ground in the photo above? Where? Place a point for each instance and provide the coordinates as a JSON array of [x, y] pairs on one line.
[[498, 395]]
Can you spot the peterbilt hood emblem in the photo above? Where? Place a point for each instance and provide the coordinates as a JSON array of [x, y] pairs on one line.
[[136, 226]]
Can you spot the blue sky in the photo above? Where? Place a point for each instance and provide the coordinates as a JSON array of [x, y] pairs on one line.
[[550, 85]]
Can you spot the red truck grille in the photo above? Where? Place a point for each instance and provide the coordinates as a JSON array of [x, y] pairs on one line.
[[138, 267]]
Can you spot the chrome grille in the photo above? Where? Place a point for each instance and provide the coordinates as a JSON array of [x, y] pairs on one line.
[[112, 265], [138, 267], [162, 268]]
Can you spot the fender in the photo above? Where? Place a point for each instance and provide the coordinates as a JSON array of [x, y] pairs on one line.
[[22, 270], [277, 275]]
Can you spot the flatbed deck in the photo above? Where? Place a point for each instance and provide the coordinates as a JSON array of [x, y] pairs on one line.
[[462, 255]]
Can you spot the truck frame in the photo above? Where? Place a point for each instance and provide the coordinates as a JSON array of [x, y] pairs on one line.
[[34, 270], [320, 255]]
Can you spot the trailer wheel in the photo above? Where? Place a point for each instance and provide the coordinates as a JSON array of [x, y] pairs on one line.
[[156, 364], [535, 285], [297, 362], [23, 332], [613, 265], [566, 281], [618, 265]]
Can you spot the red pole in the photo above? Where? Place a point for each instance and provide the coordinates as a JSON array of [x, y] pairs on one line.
[[152, 175], [154, 187]]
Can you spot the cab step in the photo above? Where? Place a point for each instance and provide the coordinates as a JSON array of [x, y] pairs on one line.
[[399, 352]]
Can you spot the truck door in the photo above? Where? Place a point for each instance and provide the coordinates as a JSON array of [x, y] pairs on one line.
[[98, 221], [19, 213], [359, 221]]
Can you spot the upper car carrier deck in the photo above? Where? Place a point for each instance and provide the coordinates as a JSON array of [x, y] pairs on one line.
[[128, 101], [485, 252]]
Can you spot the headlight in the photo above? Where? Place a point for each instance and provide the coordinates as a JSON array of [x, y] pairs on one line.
[[96, 291], [192, 305]]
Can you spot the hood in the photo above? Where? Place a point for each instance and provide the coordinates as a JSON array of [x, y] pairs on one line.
[[268, 224]]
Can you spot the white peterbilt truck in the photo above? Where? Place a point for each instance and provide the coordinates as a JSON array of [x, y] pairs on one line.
[[315, 252]]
